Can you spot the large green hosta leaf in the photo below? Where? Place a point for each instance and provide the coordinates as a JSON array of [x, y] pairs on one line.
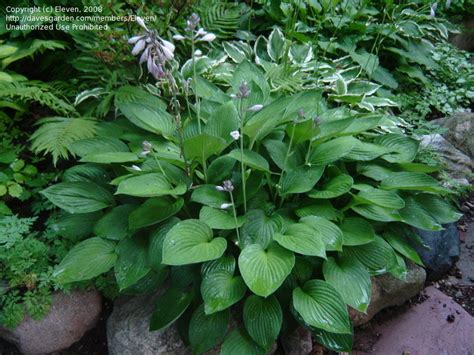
[[114, 225], [190, 242], [260, 227], [357, 231], [203, 146], [412, 181], [264, 270], [303, 239], [220, 289], [333, 188], [335, 149], [132, 262], [151, 118], [79, 197], [153, 211], [239, 342], [219, 219], [329, 233], [404, 148], [206, 331], [251, 159], [441, 210], [300, 180], [321, 306], [377, 213], [169, 307], [86, 260], [416, 215], [149, 185], [399, 242], [209, 196], [344, 272], [382, 198], [333, 341], [110, 157], [378, 256], [263, 319]]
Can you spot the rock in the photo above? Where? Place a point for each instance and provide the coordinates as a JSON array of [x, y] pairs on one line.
[[70, 316], [460, 131], [457, 164], [388, 291], [128, 334], [298, 343], [444, 250], [465, 39], [437, 326]]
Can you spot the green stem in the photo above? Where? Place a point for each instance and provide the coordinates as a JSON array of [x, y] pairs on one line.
[[235, 217], [285, 161], [159, 164], [242, 164], [198, 104]]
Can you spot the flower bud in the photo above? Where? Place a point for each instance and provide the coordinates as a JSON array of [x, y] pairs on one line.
[[178, 37], [139, 46], [141, 22], [225, 206], [197, 53], [255, 108], [136, 168], [208, 38], [201, 32], [235, 135], [133, 40]]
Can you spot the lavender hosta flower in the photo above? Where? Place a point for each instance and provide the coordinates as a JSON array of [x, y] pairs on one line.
[[235, 135], [433, 9], [255, 108], [244, 90], [316, 121], [228, 186], [301, 113], [134, 39], [147, 148], [208, 38], [138, 47], [225, 206], [192, 22]]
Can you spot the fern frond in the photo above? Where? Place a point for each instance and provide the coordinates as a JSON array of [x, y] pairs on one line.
[[221, 18], [39, 93], [56, 134]]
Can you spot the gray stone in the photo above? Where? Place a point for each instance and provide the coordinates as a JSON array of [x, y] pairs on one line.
[[70, 316], [443, 250], [298, 342], [437, 326], [459, 131], [465, 39], [128, 330], [456, 164], [389, 291]]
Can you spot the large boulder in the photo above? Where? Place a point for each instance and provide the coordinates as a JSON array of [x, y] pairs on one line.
[[70, 316], [388, 291], [442, 252], [456, 164], [459, 131], [128, 330]]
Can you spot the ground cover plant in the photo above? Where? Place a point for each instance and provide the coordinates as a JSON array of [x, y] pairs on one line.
[[255, 178]]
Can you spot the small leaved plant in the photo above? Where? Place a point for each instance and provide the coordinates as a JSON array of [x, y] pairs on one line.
[[241, 197]]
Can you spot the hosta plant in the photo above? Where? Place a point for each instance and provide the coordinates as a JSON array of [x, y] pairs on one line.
[[246, 203]]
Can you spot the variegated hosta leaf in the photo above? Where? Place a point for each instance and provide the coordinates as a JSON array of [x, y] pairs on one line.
[[343, 272], [264, 270], [321, 306], [190, 242]]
